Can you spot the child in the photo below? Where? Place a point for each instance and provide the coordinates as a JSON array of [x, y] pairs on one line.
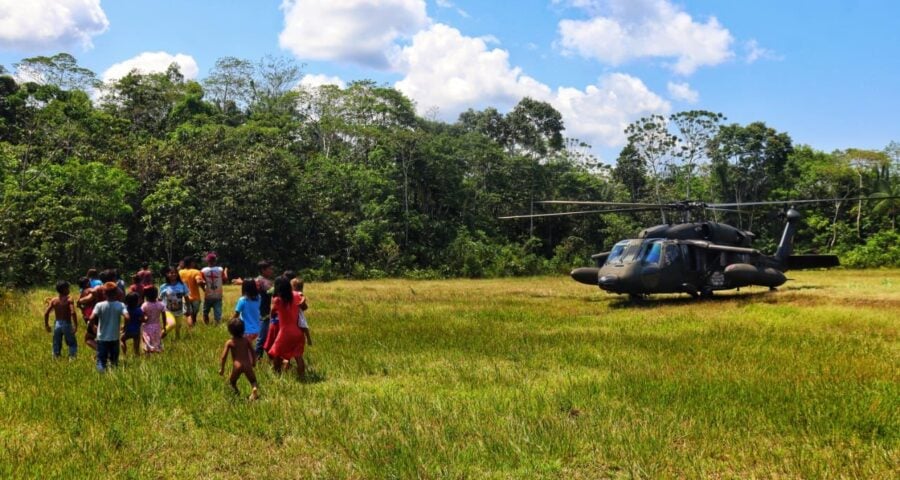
[[137, 286], [214, 277], [247, 309], [132, 330], [66, 320], [86, 304], [191, 277], [242, 356], [154, 313], [92, 277], [289, 341], [173, 293], [108, 315], [263, 285], [297, 286]]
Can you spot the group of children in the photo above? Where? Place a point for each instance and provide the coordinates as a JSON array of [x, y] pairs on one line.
[[268, 318]]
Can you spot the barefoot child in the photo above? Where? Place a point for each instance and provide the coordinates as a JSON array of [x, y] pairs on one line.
[[132, 329], [242, 356], [154, 315], [247, 309], [66, 320]]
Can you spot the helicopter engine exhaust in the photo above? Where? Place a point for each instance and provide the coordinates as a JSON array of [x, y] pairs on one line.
[[586, 275], [741, 274]]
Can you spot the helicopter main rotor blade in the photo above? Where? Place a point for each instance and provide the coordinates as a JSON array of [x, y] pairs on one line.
[[606, 204], [581, 212], [795, 202]]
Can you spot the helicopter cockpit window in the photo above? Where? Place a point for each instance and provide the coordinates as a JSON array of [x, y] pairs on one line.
[[652, 252], [618, 250]]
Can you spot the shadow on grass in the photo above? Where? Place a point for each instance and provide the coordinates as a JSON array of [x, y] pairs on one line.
[[313, 376], [655, 302]]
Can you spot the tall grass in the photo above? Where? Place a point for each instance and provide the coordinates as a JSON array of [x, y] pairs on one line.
[[519, 378]]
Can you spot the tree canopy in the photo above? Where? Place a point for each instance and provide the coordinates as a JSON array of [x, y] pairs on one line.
[[353, 182]]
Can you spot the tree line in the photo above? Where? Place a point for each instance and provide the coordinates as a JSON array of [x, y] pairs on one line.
[[352, 182]]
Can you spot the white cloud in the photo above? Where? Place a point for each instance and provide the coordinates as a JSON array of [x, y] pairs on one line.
[[152, 62], [317, 80], [449, 4], [600, 112], [623, 30], [472, 76], [357, 31], [755, 52], [50, 24], [683, 92]]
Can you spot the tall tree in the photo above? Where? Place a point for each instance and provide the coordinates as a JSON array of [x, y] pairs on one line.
[[695, 129], [229, 83], [61, 70], [653, 144]]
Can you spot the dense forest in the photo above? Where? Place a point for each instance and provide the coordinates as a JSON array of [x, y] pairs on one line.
[[352, 182]]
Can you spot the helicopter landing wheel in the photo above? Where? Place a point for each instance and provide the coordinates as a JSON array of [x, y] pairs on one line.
[[706, 292]]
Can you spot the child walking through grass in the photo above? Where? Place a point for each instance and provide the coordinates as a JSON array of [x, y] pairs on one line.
[[174, 293], [66, 323], [108, 315], [154, 315], [242, 356], [247, 308], [132, 329]]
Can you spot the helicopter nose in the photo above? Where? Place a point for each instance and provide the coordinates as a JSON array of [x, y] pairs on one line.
[[587, 276], [608, 282]]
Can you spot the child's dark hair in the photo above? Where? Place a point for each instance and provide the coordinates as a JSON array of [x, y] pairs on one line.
[[170, 269], [92, 273], [132, 300], [145, 266], [249, 289], [289, 275], [189, 261], [283, 289], [135, 278], [263, 264], [151, 293], [236, 328], [107, 275], [84, 282], [62, 287]]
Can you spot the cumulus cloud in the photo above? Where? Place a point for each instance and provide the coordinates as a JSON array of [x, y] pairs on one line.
[[471, 75], [449, 4], [622, 30], [34, 25], [357, 31], [317, 80], [683, 92], [152, 62]]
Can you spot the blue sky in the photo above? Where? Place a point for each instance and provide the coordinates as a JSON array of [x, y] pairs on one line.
[[823, 71]]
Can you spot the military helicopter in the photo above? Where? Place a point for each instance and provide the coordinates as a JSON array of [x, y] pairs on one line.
[[696, 258]]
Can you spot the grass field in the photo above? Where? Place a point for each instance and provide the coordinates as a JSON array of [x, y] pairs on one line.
[[514, 378]]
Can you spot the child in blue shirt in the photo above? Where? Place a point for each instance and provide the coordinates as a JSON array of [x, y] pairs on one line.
[[247, 309]]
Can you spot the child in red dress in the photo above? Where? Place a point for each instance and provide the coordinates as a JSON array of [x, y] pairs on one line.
[[290, 340]]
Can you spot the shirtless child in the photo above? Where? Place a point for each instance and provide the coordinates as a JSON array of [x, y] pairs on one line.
[[242, 356], [66, 320]]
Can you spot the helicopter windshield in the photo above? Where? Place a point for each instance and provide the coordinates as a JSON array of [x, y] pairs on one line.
[[629, 251], [624, 252]]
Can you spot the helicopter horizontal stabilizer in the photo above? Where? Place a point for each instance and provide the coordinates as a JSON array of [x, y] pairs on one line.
[[803, 262]]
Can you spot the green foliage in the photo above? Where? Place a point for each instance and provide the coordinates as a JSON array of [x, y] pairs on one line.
[[352, 181], [880, 250]]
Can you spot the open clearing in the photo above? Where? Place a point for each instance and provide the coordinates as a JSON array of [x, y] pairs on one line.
[[512, 378]]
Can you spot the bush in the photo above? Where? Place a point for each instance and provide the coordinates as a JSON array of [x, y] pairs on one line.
[[880, 250]]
